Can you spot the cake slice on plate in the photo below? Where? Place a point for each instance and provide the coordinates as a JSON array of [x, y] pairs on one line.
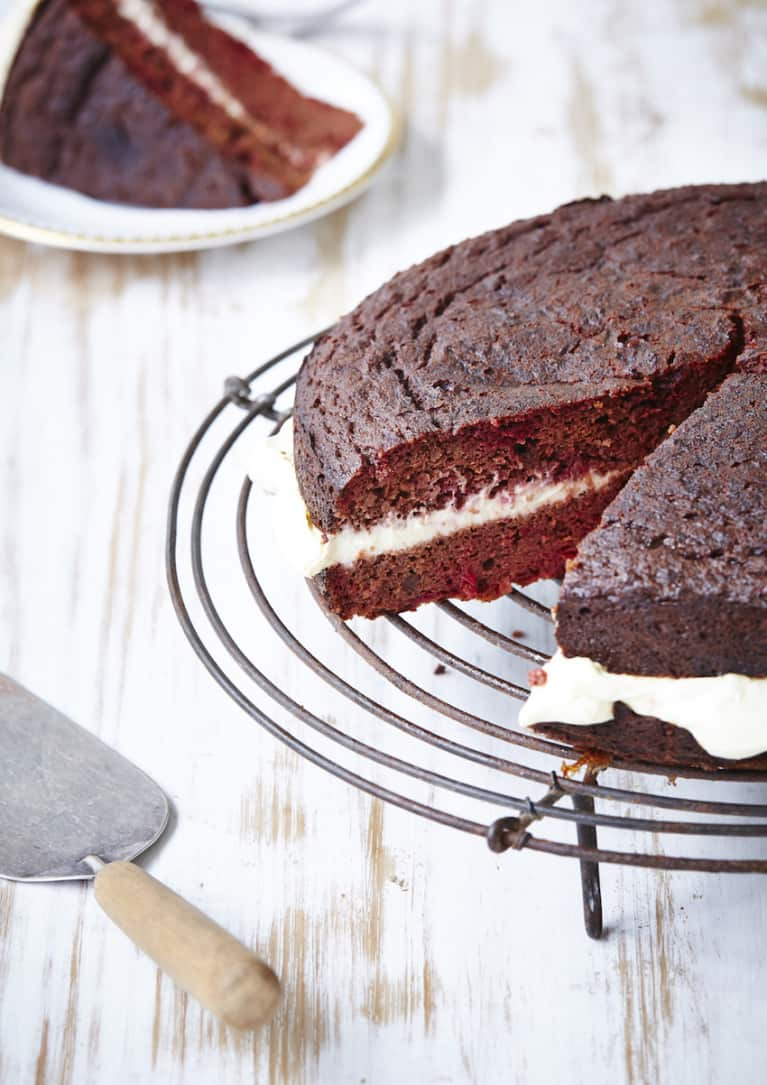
[[662, 622], [150, 103]]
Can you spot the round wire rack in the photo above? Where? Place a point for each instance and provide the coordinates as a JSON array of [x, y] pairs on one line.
[[431, 693]]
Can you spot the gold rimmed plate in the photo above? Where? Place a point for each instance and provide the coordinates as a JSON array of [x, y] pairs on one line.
[[34, 210]]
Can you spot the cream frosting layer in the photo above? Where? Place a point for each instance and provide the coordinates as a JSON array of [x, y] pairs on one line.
[[726, 714], [146, 18], [275, 474]]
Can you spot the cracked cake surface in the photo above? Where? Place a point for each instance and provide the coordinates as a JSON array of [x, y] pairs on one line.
[[674, 580], [547, 352]]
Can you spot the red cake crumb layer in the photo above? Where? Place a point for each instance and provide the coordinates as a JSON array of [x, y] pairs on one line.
[[309, 131], [477, 563], [561, 431]]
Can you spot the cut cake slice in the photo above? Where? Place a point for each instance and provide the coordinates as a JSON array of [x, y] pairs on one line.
[[152, 104], [664, 611]]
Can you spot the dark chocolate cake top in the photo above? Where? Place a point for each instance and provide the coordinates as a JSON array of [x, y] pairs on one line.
[[692, 520], [674, 580], [596, 297]]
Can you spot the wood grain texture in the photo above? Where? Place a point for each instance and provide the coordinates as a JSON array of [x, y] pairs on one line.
[[407, 952]]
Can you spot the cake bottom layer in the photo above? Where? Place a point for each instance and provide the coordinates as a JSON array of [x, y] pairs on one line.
[[630, 737], [476, 563]]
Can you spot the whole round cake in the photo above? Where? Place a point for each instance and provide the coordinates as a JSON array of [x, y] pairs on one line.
[[466, 426]]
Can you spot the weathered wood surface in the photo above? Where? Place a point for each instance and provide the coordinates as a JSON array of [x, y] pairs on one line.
[[408, 952]]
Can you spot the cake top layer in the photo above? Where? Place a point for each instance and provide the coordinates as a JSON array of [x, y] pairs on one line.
[[691, 523], [596, 297]]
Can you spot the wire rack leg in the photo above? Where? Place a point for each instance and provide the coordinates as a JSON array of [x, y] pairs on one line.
[[590, 884]]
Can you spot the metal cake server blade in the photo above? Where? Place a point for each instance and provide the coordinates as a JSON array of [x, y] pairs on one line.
[[65, 795], [73, 808]]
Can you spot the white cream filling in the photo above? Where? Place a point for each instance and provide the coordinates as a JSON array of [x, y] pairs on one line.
[[275, 475], [146, 18], [726, 714]]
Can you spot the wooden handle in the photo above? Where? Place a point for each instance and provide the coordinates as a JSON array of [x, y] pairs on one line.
[[196, 953]]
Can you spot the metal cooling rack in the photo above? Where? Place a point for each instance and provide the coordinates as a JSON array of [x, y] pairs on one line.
[[547, 796]]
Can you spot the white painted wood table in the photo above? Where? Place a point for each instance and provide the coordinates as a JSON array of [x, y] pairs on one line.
[[409, 953]]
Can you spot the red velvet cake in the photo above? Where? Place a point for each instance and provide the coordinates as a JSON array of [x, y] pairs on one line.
[[150, 103], [464, 428], [662, 622]]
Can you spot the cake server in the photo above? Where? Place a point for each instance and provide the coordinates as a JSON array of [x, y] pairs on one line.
[[72, 808]]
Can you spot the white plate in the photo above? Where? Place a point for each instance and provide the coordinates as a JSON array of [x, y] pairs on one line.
[[37, 211]]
